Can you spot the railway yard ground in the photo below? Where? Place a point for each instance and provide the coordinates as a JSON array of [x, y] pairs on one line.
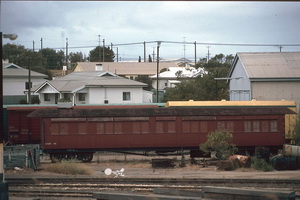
[[140, 168]]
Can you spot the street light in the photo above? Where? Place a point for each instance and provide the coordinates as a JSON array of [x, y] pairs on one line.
[[3, 185], [157, 69]]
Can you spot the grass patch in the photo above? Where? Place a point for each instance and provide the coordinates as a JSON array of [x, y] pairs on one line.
[[261, 165], [69, 168]]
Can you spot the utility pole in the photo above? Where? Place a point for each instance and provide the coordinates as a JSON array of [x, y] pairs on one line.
[[29, 80], [208, 53], [99, 49], [103, 49], [145, 51], [117, 54], [157, 71], [33, 45], [195, 43], [153, 55], [41, 52], [184, 48], [67, 52]]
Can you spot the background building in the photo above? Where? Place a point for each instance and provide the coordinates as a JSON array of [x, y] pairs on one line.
[[265, 76]]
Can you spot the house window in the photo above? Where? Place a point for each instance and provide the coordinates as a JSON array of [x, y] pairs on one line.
[[81, 97], [126, 96], [46, 97]]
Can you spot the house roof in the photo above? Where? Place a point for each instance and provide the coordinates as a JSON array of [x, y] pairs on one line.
[[10, 65], [76, 81], [11, 70], [275, 65], [125, 68]]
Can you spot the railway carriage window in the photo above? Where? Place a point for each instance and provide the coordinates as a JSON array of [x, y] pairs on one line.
[[225, 125], [136, 127], [273, 126], [230, 125], [118, 127], [54, 129], [247, 126], [221, 125], [145, 127], [171, 127], [265, 126], [64, 128], [186, 126], [140, 127], [203, 126], [256, 126], [109, 127], [81, 128], [159, 127], [100, 128], [194, 126]]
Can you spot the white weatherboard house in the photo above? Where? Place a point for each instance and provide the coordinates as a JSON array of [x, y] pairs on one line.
[[265, 76], [96, 87], [14, 82], [174, 75]]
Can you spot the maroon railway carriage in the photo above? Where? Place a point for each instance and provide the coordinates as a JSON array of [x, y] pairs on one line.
[[21, 129], [80, 132], [24, 130]]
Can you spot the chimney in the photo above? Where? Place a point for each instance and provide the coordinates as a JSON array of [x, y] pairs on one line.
[[98, 67]]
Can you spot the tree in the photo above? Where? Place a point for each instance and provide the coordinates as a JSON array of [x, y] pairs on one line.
[[219, 141], [76, 57], [13, 52], [206, 87], [149, 58], [96, 55], [145, 79], [54, 59]]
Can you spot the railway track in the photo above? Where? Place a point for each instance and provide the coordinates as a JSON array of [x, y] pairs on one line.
[[83, 188]]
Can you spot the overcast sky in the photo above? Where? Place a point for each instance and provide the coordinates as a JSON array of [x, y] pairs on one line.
[[138, 21]]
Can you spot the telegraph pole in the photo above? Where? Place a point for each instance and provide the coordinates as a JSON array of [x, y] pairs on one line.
[[67, 44], [195, 43], [208, 53], [103, 49], [145, 51], [99, 48], [41, 52]]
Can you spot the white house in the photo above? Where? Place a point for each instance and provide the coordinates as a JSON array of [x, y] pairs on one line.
[[96, 87], [175, 75], [15, 82], [265, 76]]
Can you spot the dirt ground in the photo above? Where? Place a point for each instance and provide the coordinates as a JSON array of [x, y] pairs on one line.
[[140, 167]]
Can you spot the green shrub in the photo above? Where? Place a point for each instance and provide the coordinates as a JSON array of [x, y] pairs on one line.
[[35, 100], [65, 100], [261, 164], [22, 101], [69, 168], [219, 141]]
